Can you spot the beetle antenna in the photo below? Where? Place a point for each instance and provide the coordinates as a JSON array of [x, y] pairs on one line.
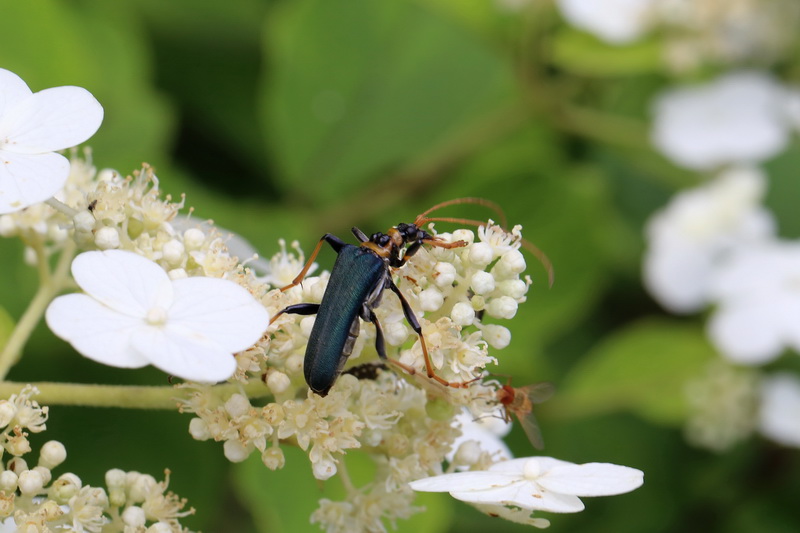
[[468, 200]]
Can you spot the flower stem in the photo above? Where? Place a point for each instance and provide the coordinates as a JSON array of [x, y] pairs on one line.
[[124, 396], [48, 288], [61, 207]]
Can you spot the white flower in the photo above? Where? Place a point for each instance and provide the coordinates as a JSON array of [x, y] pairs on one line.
[[779, 417], [487, 432], [134, 315], [697, 232], [759, 303], [738, 118], [32, 127], [614, 21], [535, 483]]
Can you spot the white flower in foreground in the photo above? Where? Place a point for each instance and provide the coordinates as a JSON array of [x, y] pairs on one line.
[[535, 484], [698, 231], [32, 127], [614, 21], [738, 118], [759, 303], [779, 417], [133, 315]]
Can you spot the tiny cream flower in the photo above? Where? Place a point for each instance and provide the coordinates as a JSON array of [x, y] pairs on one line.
[[134, 315], [32, 127], [535, 483]]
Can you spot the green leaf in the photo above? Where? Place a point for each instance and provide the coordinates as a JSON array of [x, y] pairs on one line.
[[642, 368], [584, 54], [99, 46], [358, 87]]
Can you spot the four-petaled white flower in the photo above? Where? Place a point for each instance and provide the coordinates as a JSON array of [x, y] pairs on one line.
[[758, 292], [698, 231], [739, 118], [32, 127], [134, 315], [535, 483], [614, 21]]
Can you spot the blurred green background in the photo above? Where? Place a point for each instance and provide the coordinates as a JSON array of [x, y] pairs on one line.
[[289, 119]]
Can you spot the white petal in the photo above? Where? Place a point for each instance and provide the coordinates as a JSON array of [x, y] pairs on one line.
[[518, 465], [12, 90], [219, 309], [183, 354], [124, 281], [94, 330], [512, 514], [746, 333], [592, 479], [29, 179], [779, 415], [526, 494], [52, 119], [464, 482]]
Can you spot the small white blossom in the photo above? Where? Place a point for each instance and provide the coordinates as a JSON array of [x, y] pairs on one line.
[[32, 127], [134, 315], [538, 483], [758, 291], [739, 118], [614, 21], [779, 416]]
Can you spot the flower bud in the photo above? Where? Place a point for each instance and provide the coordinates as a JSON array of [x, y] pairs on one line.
[[235, 451], [464, 235], [173, 251], [278, 382], [431, 300], [482, 282], [134, 517], [17, 465], [503, 307], [107, 238], [198, 429], [47, 475], [497, 336], [193, 238], [480, 254], [8, 481], [395, 333], [462, 314], [513, 288], [177, 273], [511, 262], [306, 324], [444, 274], [52, 454], [324, 469], [65, 487], [30, 482], [84, 221], [116, 478], [159, 527]]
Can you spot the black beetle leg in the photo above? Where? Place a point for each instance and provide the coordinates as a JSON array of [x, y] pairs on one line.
[[297, 309], [335, 242]]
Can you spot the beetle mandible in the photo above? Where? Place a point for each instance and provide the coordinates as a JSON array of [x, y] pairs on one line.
[[357, 281]]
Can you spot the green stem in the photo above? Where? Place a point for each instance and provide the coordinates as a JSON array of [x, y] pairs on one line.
[[124, 396], [48, 288]]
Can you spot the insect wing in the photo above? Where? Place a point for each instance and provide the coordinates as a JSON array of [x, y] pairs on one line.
[[531, 428], [538, 392]]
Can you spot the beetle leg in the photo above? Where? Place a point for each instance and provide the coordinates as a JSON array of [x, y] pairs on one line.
[[380, 343], [297, 309], [412, 319], [335, 242]]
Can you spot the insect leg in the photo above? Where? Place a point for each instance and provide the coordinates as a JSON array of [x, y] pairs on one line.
[[297, 309], [380, 343], [360, 235], [412, 319], [335, 242]]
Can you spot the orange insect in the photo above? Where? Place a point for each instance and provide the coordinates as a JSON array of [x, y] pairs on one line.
[[520, 401]]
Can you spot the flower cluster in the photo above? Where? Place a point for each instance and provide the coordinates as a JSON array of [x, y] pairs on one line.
[[33, 500]]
